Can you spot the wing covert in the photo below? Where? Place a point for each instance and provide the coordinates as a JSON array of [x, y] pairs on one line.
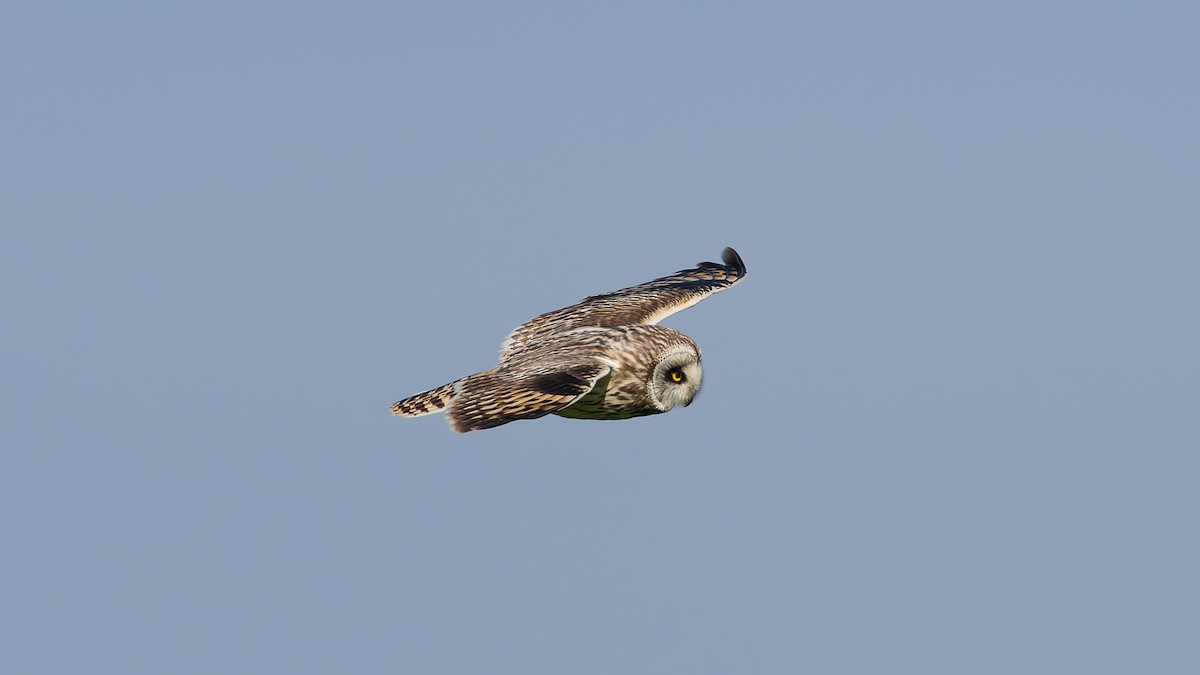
[[496, 397]]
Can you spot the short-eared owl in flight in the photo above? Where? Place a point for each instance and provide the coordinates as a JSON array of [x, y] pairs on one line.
[[602, 358]]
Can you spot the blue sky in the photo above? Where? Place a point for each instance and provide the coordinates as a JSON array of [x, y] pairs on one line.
[[948, 422]]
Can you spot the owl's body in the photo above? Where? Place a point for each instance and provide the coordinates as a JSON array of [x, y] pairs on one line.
[[633, 352], [603, 358]]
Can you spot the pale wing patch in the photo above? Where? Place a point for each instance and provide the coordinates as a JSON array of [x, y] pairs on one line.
[[668, 310]]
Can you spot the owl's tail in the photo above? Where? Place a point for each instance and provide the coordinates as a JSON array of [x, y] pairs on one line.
[[426, 402]]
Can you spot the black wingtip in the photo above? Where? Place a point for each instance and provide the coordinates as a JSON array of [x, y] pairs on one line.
[[733, 261]]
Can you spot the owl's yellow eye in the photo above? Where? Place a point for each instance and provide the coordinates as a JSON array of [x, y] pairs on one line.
[[677, 376]]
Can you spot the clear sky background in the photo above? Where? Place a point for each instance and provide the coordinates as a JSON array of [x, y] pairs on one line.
[[949, 422]]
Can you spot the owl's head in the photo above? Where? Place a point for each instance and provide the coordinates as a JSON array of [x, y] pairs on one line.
[[676, 377]]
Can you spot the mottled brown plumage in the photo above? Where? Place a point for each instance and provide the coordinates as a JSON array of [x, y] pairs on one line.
[[601, 358]]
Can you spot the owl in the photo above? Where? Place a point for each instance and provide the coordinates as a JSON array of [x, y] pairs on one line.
[[603, 358]]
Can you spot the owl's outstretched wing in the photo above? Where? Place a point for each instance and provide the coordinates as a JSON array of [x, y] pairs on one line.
[[501, 395], [646, 303]]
